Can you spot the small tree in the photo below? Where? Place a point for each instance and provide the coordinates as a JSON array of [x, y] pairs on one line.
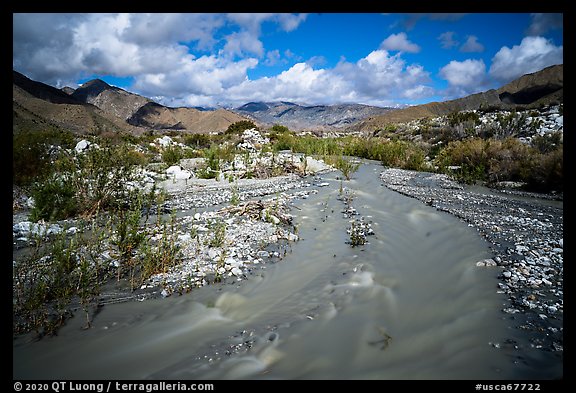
[[240, 126]]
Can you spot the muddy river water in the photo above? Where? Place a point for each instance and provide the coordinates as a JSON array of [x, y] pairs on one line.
[[409, 304]]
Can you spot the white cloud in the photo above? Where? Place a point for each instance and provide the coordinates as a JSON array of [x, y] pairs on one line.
[[165, 29], [447, 40], [239, 43], [472, 45], [316, 61], [533, 54], [247, 40], [272, 57], [464, 77], [253, 21], [399, 42], [155, 50], [208, 75], [463, 73], [376, 79], [542, 23], [290, 22]]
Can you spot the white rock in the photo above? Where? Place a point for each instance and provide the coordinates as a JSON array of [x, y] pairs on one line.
[[82, 146], [507, 274], [185, 237], [292, 237], [197, 216], [173, 169], [213, 254], [183, 175], [165, 141], [236, 271], [486, 262], [30, 203]]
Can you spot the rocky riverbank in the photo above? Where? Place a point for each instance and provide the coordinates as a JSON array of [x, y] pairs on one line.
[[526, 236]]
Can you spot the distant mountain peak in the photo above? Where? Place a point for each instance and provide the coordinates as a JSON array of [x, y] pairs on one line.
[[92, 88]]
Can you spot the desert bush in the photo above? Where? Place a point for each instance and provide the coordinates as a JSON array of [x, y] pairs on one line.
[[461, 117], [161, 257], [546, 172], [32, 153], [503, 160], [239, 127], [548, 142], [172, 155], [53, 277], [84, 183], [198, 141], [279, 129], [345, 165]]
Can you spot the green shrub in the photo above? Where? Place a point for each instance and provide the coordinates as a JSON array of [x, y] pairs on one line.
[[240, 126], [172, 155], [31, 153], [548, 142], [54, 199], [197, 141], [279, 129], [546, 172], [456, 118], [86, 183], [346, 166]]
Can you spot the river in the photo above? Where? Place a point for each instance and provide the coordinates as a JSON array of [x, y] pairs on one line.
[[409, 304]]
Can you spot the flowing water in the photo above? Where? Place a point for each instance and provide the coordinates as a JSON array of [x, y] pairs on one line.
[[410, 304]]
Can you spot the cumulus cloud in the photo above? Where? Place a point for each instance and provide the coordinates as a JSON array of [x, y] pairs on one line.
[[165, 29], [272, 57], [533, 54], [243, 42], [463, 73], [447, 40], [400, 43], [542, 23], [157, 52], [62, 48], [377, 79], [247, 40], [464, 77], [472, 45]]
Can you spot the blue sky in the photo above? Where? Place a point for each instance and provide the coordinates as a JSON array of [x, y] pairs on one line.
[[230, 59]]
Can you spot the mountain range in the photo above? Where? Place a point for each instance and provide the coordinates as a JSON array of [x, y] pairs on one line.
[[302, 117], [97, 107], [529, 91]]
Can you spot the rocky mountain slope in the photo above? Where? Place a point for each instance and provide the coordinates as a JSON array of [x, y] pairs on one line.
[[96, 107], [528, 91], [110, 99], [156, 116], [299, 117], [36, 105]]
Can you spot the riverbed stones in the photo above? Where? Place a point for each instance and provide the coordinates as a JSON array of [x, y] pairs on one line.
[[487, 262]]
